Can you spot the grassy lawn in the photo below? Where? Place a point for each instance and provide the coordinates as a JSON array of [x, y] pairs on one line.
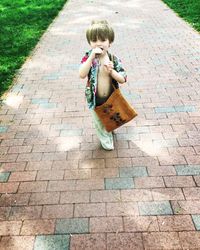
[[22, 22], [189, 10]]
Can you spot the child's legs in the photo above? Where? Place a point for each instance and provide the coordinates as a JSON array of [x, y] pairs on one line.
[[106, 138]]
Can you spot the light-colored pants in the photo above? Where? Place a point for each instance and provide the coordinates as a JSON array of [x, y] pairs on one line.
[[106, 138]]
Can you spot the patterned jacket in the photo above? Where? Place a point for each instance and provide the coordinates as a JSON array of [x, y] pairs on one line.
[[91, 87]]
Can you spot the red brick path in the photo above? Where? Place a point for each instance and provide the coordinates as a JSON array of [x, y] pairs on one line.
[[58, 188]]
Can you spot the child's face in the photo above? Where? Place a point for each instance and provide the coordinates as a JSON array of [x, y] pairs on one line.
[[101, 44]]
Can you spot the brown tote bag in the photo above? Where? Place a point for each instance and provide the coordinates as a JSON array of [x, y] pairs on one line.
[[115, 112]]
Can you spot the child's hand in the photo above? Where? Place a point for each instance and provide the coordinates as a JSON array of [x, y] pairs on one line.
[[96, 52], [109, 67]]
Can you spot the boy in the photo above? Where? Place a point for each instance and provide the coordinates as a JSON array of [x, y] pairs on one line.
[[102, 74]]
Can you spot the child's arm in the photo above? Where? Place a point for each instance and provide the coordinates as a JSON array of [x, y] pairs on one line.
[[85, 67], [118, 77], [116, 70]]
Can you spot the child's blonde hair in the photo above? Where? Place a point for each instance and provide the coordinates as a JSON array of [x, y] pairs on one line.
[[100, 30]]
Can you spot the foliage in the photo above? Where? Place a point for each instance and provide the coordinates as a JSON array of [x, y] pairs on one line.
[[189, 10], [22, 22]]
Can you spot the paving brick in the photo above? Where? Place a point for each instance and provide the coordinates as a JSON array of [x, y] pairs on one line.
[[90, 210], [13, 167], [130, 152], [154, 208], [122, 209], [161, 128], [66, 185], [57, 156], [148, 182], [186, 108], [171, 135], [19, 149], [49, 242], [57, 211], [88, 242], [145, 161], [138, 130], [167, 194], [4, 176], [175, 223], [10, 227], [181, 151], [133, 172], [65, 164], [190, 240], [197, 180], [9, 187], [141, 224], [179, 181], [39, 165], [167, 143], [118, 162], [72, 226], [80, 155], [4, 213], [119, 183], [91, 184], [105, 173], [71, 132], [149, 138], [127, 137], [17, 242], [89, 145], [50, 175], [126, 241], [188, 142], [171, 160], [92, 163], [75, 197], [39, 100], [14, 199], [192, 193], [155, 164], [77, 174], [99, 154], [165, 110], [44, 198], [197, 149], [25, 212], [44, 148], [3, 129], [196, 220], [186, 207], [122, 144], [32, 187], [188, 170], [36, 227], [161, 240], [193, 159], [106, 224], [161, 170], [8, 158], [23, 176], [136, 195], [29, 157], [105, 196], [4, 150]]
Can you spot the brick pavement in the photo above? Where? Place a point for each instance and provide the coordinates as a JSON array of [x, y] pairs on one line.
[[58, 189]]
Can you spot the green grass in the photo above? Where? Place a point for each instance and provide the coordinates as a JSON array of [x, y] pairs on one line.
[[22, 22], [189, 10]]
